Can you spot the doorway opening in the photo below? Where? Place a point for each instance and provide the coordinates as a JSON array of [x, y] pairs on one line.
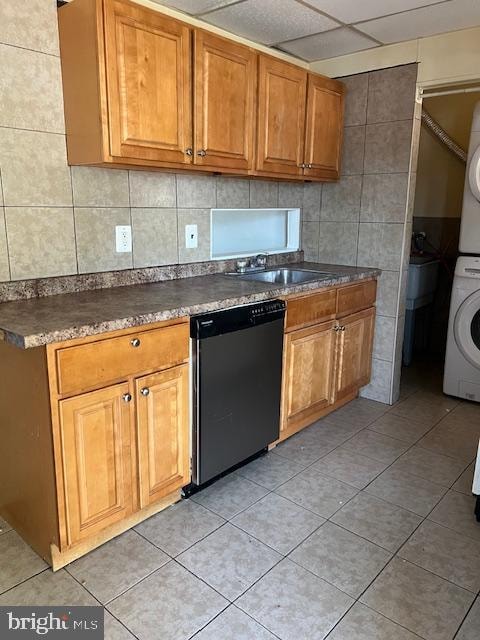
[[444, 140]]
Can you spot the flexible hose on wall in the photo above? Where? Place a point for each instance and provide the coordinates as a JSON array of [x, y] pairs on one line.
[[443, 136]]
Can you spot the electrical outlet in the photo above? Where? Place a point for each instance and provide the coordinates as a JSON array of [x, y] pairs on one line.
[[123, 238], [191, 236]]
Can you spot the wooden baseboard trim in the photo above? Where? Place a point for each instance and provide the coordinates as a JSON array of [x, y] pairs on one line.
[[60, 559]]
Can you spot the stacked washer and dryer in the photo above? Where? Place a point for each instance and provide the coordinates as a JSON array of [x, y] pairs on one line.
[[462, 363]]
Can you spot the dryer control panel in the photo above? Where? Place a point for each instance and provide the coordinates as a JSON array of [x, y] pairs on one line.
[[468, 267]]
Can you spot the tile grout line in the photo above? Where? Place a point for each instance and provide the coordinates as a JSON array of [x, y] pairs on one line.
[[100, 603]]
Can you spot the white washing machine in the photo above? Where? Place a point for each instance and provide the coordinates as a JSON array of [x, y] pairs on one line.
[[470, 226], [462, 363]]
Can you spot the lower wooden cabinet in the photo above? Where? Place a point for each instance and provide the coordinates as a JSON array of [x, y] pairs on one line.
[[95, 435], [327, 362], [308, 374], [96, 432], [354, 356], [163, 433]]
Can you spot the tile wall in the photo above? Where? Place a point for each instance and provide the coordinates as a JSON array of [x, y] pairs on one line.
[[56, 220], [365, 219]]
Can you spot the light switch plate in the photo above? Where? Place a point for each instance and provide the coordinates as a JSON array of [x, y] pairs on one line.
[[191, 236], [123, 238]]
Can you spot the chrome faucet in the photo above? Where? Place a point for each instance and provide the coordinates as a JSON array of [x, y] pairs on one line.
[[260, 260]]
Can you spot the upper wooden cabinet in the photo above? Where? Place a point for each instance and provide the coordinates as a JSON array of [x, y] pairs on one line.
[[300, 122], [143, 89], [282, 91], [127, 84], [323, 128], [148, 83], [224, 99]]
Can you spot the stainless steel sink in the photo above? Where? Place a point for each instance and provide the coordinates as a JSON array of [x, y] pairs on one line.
[[285, 276]]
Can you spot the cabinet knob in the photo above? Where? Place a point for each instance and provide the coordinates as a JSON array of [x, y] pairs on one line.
[[145, 391], [303, 166], [342, 328], [202, 153], [309, 165], [135, 342], [127, 397], [336, 327], [189, 151]]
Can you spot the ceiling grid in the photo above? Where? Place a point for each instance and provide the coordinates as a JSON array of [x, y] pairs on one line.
[[319, 29]]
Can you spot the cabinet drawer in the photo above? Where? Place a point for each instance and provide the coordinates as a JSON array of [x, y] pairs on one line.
[[357, 297], [95, 364], [311, 309]]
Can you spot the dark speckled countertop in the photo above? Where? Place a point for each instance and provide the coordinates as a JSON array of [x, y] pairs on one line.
[[39, 321]]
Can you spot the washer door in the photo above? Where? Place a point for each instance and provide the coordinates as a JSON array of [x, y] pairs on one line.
[[474, 174], [467, 328]]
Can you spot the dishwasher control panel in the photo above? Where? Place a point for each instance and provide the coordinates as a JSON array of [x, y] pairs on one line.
[[234, 319]]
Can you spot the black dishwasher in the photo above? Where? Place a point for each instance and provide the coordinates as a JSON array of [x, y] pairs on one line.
[[237, 376]]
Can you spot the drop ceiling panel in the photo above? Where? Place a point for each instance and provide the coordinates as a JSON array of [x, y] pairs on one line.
[[194, 7], [428, 21], [327, 45], [350, 11], [270, 21]]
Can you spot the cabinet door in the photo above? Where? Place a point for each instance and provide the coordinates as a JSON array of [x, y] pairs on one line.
[[96, 438], [324, 128], [308, 374], [148, 84], [281, 117], [354, 352], [163, 434], [225, 80]]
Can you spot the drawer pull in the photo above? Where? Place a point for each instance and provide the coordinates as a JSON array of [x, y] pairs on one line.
[[145, 391], [127, 397], [135, 342]]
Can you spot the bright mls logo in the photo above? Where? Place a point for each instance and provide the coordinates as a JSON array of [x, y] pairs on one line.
[[26, 623]]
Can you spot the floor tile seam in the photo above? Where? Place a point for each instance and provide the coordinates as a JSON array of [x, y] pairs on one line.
[[251, 535], [195, 635], [465, 617], [148, 575], [435, 424], [345, 528], [392, 463], [474, 593], [172, 560], [100, 603], [414, 633], [447, 527], [190, 546], [312, 573], [348, 609], [415, 513], [353, 486], [238, 512], [282, 557], [409, 442], [279, 485], [17, 584], [447, 456], [314, 512], [432, 573]]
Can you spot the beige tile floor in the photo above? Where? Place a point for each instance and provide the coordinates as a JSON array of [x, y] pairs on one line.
[[359, 528]]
